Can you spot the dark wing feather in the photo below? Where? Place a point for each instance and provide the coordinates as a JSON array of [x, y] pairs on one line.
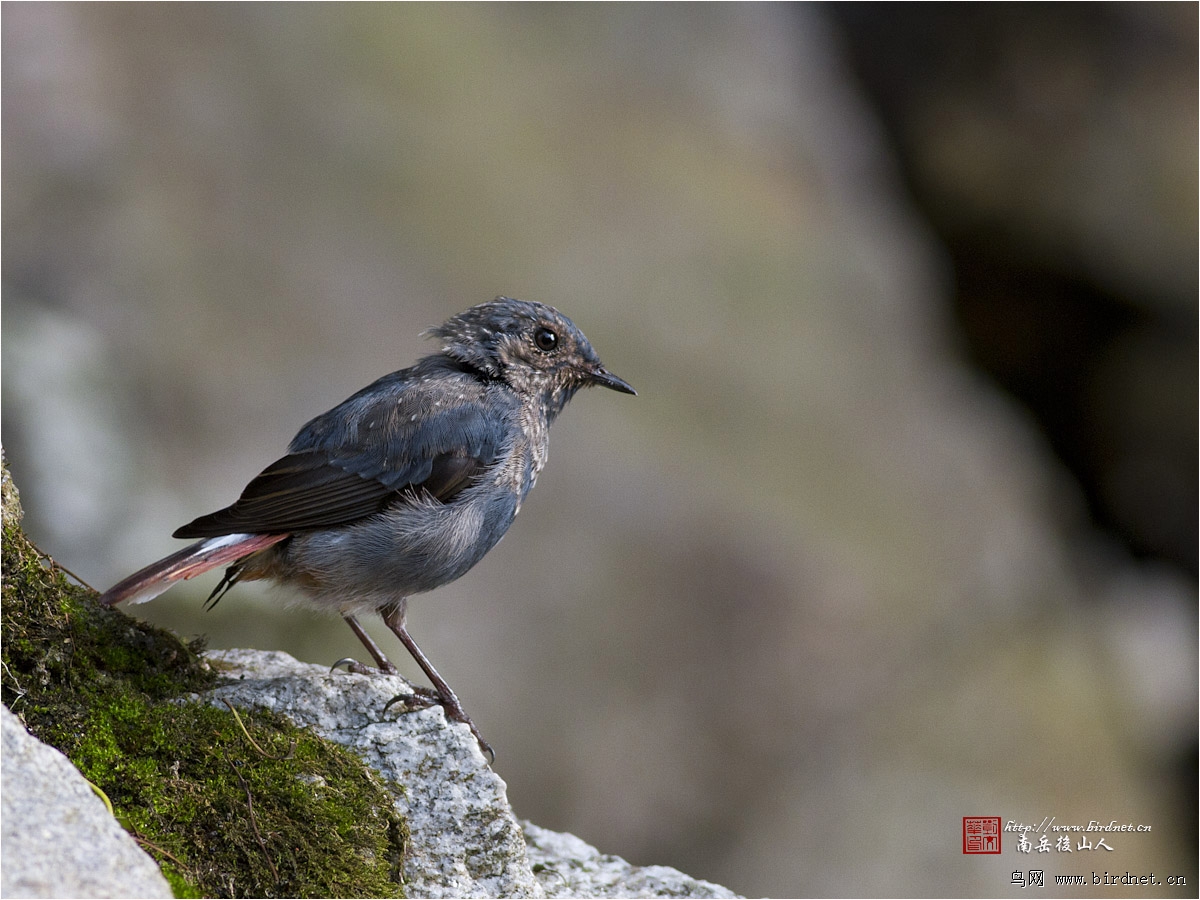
[[300, 491], [388, 443]]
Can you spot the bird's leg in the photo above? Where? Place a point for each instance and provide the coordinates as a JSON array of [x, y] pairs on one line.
[[353, 665], [394, 618]]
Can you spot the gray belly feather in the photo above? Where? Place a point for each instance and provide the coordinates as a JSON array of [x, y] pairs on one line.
[[405, 550]]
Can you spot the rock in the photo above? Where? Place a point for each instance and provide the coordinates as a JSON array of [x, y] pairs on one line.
[[465, 840], [59, 839], [567, 867], [10, 497]]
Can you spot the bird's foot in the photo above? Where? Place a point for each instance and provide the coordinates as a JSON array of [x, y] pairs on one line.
[[423, 698], [420, 698]]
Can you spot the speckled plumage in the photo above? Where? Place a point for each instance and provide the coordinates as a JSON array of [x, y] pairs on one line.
[[408, 483]]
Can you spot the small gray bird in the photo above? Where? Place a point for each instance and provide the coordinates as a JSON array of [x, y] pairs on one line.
[[404, 486]]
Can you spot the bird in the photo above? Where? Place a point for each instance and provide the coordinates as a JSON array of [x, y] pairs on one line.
[[402, 487]]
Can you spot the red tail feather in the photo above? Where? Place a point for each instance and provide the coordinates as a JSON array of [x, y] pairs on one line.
[[187, 563]]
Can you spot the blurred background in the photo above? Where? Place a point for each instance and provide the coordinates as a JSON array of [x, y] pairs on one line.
[[902, 526]]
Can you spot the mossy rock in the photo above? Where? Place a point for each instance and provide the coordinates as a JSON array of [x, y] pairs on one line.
[[230, 804]]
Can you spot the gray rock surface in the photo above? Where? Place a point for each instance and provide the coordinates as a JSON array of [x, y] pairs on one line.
[[466, 842], [59, 840], [567, 867]]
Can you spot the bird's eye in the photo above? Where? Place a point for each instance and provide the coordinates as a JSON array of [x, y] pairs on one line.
[[545, 339]]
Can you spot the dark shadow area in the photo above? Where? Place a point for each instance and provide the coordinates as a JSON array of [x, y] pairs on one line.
[[1103, 355]]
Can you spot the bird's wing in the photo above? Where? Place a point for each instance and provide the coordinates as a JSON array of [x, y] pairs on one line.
[[393, 441]]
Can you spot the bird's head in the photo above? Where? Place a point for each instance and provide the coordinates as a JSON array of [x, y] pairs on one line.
[[533, 348]]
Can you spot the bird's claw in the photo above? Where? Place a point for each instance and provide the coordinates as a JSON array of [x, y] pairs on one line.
[[419, 698]]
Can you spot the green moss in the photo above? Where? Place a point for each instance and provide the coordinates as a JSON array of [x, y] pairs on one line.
[[270, 811]]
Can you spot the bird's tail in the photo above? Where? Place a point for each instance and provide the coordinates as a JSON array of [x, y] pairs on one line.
[[187, 563]]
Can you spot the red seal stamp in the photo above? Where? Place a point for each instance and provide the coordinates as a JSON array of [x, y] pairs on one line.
[[981, 834]]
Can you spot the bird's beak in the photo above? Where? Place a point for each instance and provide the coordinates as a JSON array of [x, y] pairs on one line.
[[605, 378]]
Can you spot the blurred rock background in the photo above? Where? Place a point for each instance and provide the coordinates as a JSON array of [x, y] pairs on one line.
[[902, 526]]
